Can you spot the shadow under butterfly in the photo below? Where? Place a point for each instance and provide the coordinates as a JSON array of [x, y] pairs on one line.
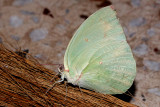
[[127, 96]]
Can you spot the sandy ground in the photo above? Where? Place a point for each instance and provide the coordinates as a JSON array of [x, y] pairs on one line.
[[54, 22]]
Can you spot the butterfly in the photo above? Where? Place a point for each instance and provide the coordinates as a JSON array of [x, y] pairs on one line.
[[98, 56]]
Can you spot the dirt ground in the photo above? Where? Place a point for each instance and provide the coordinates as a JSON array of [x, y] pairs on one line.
[[45, 27]]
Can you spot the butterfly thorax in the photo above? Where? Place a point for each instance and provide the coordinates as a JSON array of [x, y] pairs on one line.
[[72, 78]]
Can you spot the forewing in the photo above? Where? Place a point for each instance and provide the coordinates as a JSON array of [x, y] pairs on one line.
[[86, 38]]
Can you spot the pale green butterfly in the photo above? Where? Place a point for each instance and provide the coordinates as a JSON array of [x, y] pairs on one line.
[[98, 56]]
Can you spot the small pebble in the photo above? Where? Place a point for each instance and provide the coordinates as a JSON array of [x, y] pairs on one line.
[[67, 11], [157, 24], [143, 97], [63, 52], [35, 19], [60, 26], [59, 55], [137, 22], [136, 2], [58, 43], [38, 56], [0, 40], [151, 32], [15, 37], [152, 65], [61, 29], [46, 11], [15, 21], [38, 34], [132, 34], [155, 91], [25, 12], [158, 1], [67, 21], [156, 50], [21, 2], [145, 39], [141, 50], [128, 33], [125, 30]]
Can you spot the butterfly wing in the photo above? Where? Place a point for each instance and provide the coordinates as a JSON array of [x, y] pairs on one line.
[[100, 55]]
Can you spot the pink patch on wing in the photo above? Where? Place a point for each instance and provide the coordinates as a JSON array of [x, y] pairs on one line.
[[100, 62], [66, 70], [112, 7]]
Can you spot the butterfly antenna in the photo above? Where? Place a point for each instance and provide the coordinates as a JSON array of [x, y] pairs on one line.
[[54, 77]]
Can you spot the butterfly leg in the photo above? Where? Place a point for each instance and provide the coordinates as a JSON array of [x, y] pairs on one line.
[[61, 80]]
